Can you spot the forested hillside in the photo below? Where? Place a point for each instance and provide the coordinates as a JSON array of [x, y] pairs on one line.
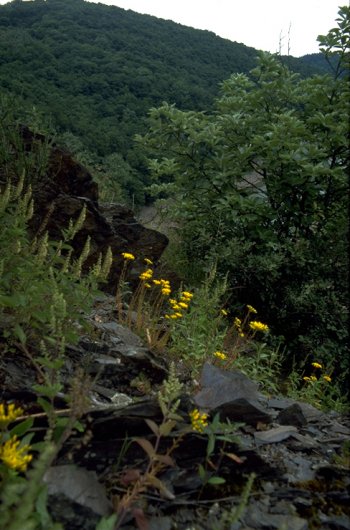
[[198, 380], [95, 71]]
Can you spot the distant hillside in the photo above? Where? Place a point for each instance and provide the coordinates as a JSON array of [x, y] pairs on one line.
[[98, 69]]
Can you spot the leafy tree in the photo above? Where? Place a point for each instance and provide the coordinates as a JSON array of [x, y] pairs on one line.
[[260, 190]]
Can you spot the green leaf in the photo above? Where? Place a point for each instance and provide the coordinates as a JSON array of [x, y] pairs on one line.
[[211, 444], [202, 473], [45, 405], [166, 428], [49, 391], [20, 429], [80, 427], [41, 508], [20, 334], [216, 480], [153, 426], [107, 523], [146, 446]]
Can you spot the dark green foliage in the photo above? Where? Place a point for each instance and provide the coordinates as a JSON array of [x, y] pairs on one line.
[[261, 186], [98, 69]]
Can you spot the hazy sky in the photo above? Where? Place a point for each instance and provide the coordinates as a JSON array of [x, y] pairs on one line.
[[263, 24], [257, 23]]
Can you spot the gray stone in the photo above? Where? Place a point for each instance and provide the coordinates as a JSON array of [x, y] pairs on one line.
[[277, 434], [268, 521], [222, 386], [292, 415], [240, 410], [123, 333], [79, 485]]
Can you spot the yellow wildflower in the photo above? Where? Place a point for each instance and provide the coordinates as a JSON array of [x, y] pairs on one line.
[[313, 378], [147, 285], [128, 256], [183, 305], [148, 261], [317, 365], [13, 456], [156, 282], [166, 291], [220, 355], [9, 413], [255, 325], [241, 334], [224, 312], [186, 295], [146, 275], [178, 315], [306, 378], [198, 420], [251, 309], [237, 322], [327, 378]]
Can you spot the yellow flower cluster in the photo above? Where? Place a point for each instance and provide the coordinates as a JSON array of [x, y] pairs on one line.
[[255, 325], [13, 456], [9, 413], [178, 306], [251, 309], [166, 289], [128, 256], [185, 295], [164, 285], [312, 378], [198, 420], [238, 325], [146, 275], [317, 365], [220, 355]]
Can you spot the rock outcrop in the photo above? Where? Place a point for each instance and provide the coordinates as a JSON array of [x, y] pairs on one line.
[[60, 195]]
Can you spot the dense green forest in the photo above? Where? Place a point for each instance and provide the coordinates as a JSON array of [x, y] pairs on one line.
[[94, 72]]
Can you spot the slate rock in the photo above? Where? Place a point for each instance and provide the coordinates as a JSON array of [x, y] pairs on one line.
[[61, 194], [280, 402], [277, 434], [78, 485], [310, 412], [122, 333], [223, 386], [71, 515], [335, 522], [259, 519], [241, 410], [292, 415]]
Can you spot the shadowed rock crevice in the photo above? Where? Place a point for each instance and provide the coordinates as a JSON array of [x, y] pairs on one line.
[[62, 192]]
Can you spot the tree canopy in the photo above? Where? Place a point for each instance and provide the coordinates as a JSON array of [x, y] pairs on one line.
[[260, 186]]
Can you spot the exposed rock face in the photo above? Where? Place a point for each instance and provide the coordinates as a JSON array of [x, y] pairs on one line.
[[60, 196]]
